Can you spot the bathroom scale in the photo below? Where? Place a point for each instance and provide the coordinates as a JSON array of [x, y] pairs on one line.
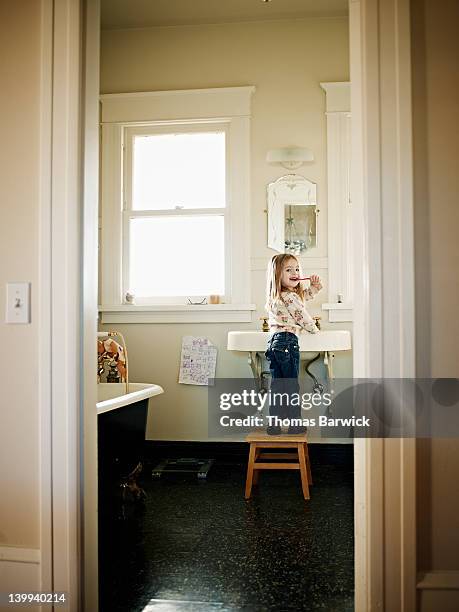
[[200, 467]]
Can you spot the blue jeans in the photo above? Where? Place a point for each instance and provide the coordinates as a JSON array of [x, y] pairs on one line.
[[283, 354]]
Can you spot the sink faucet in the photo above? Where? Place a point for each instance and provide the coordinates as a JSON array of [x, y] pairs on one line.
[[265, 326], [317, 320], [104, 357]]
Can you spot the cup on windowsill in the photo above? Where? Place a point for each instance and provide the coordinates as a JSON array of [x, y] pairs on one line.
[[214, 299]]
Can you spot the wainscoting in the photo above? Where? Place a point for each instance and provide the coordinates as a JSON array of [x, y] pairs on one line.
[[438, 590], [19, 567]]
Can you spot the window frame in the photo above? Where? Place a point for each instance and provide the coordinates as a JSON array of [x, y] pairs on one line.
[[124, 115]]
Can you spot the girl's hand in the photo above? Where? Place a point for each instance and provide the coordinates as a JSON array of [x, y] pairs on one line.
[[315, 281]]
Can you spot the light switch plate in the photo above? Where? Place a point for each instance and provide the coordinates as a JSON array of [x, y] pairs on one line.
[[18, 303]]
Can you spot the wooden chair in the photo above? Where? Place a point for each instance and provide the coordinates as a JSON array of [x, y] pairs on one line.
[[260, 440]]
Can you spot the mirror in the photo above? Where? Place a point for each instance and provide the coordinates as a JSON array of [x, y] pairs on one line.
[[292, 215]]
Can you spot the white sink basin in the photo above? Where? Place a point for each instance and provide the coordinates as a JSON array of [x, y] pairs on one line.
[[324, 340]]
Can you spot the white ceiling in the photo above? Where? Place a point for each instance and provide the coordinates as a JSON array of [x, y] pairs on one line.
[[149, 13]]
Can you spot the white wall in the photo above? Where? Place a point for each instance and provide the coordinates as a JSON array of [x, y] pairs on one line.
[[19, 194], [285, 60], [20, 45]]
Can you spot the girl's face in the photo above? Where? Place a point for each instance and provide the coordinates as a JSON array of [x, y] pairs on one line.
[[290, 273]]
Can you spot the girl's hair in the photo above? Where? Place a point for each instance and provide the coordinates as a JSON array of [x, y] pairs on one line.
[[273, 278]]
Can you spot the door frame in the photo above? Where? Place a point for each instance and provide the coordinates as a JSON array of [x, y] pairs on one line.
[[384, 316], [68, 228], [59, 292], [384, 309]]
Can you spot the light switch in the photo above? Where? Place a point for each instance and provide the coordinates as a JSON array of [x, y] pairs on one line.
[[18, 303]]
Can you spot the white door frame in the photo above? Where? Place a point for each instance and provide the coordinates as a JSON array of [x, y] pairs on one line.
[[384, 305], [59, 299], [69, 102], [91, 53], [384, 315]]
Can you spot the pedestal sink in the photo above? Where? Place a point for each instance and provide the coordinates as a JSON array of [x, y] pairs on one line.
[[325, 341]]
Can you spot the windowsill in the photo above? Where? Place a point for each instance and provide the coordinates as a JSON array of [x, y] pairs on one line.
[[176, 313], [337, 306], [339, 312]]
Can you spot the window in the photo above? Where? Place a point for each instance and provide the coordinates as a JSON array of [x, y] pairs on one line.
[[175, 208], [175, 205]]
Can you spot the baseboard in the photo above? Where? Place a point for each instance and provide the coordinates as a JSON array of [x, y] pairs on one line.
[[438, 590], [17, 554], [237, 452], [441, 580], [229, 440], [20, 572]]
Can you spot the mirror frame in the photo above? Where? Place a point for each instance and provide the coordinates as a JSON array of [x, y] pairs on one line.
[[288, 189]]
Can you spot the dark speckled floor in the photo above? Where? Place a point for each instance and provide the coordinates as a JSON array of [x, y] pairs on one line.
[[199, 546]]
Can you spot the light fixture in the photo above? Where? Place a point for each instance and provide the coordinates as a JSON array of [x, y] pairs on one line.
[[289, 157]]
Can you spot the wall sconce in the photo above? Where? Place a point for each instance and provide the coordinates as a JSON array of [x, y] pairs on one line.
[[289, 157]]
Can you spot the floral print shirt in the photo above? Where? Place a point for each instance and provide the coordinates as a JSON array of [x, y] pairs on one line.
[[289, 313]]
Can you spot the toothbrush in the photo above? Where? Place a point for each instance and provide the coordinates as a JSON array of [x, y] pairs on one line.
[[304, 278]]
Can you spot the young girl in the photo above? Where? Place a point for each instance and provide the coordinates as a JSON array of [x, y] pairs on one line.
[[288, 317]]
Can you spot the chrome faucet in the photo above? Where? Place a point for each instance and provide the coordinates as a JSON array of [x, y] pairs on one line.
[[102, 358]]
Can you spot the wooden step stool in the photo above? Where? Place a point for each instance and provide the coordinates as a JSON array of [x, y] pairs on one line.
[[261, 440]]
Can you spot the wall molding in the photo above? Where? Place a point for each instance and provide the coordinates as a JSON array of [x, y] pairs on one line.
[[339, 312], [207, 313], [340, 216], [218, 102], [21, 571], [229, 108], [89, 583], [17, 554], [438, 580], [63, 282], [44, 296], [338, 96]]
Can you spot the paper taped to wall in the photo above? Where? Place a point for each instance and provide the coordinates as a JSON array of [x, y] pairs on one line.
[[198, 361]]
